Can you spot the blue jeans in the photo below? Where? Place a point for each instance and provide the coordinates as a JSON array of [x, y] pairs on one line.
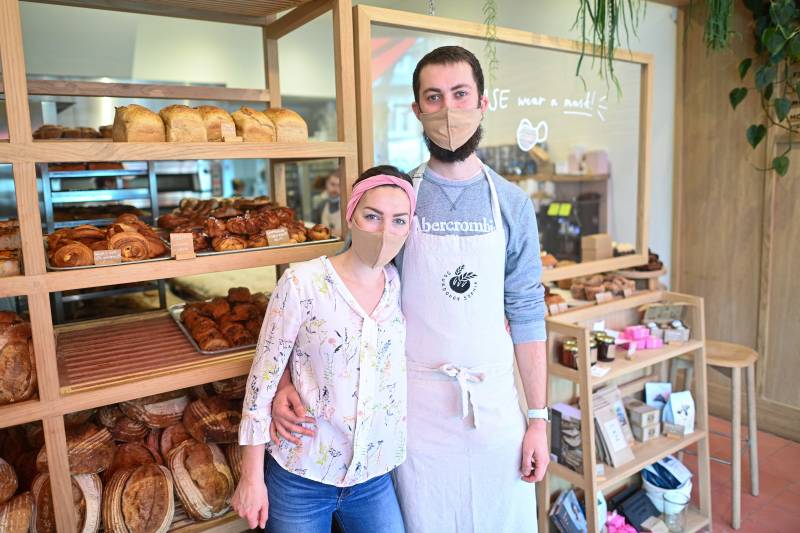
[[300, 505]]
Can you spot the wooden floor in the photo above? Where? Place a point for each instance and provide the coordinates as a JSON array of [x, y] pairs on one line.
[[777, 508]]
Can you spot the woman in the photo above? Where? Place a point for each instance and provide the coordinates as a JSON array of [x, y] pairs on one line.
[[337, 323]]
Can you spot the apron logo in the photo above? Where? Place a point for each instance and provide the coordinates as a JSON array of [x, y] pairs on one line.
[[459, 285]]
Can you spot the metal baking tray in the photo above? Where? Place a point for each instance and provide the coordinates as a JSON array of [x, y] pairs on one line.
[[275, 247], [166, 257], [175, 312]]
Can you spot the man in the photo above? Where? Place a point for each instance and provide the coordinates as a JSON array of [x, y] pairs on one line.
[[329, 212], [471, 261]]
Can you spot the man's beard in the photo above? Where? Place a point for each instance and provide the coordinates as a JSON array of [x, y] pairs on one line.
[[459, 154]]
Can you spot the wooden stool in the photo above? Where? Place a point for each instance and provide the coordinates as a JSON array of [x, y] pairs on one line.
[[724, 355]]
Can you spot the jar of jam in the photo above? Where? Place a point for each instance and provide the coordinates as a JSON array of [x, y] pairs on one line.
[[605, 348], [593, 350], [569, 353]]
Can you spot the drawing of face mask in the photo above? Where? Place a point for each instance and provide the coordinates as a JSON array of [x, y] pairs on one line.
[[529, 136]]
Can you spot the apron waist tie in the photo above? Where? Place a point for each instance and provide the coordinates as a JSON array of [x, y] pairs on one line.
[[465, 378]]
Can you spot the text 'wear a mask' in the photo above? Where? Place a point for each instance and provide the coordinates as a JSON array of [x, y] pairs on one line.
[[450, 128], [376, 248]]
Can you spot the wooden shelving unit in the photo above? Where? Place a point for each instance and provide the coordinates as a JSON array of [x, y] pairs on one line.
[[68, 381], [630, 376]]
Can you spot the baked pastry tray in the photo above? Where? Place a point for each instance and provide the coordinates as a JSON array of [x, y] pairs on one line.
[[273, 247], [112, 351], [50, 267], [175, 312]]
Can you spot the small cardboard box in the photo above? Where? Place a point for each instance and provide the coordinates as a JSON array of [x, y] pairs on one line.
[[646, 433], [595, 247], [642, 414]]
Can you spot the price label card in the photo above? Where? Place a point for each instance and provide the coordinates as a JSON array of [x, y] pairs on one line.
[[564, 210], [182, 245], [107, 257], [552, 209], [277, 236]]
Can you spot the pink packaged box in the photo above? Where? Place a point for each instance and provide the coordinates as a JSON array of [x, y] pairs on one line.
[[653, 343], [636, 332]]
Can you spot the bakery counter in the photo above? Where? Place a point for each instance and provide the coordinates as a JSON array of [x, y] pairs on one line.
[[105, 150]]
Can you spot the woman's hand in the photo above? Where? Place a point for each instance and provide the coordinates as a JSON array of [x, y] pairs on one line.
[[288, 413], [250, 501]]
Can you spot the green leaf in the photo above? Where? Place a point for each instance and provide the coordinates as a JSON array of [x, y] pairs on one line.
[[782, 108], [755, 133], [773, 40], [781, 164], [765, 75], [737, 95], [794, 48], [744, 66], [782, 13], [768, 91]]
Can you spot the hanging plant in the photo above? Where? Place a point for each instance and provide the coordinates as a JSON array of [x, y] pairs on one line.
[[601, 23], [717, 32], [490, 48], [776, 78]]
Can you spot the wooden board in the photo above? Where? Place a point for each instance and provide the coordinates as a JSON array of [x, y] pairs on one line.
[[249, 12], [124, 350]]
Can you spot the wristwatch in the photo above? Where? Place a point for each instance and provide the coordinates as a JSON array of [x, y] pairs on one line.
[[539, 414]]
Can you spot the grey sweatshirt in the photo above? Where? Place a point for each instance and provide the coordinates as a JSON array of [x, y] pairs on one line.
[[446, 207]]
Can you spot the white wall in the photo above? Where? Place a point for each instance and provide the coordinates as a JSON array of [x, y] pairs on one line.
[[83, 42]]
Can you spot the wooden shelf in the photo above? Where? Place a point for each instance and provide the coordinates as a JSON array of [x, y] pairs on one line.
[[248, 12], [104, 353], [696, 520], [14, 286], [621, 366], [228, 523], [58, 151], [644, 454], [558, 178], [641, 274], [65, 280], [14, 414]]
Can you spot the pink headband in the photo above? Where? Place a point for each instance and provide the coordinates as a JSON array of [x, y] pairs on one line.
[[363, 186]]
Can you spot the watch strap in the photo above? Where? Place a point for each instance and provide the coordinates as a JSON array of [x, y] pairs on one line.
[[543, 414]]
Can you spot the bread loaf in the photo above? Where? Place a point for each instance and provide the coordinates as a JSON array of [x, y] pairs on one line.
[[90, 450], [17, 363], [233, 453], [139, 500], [86, 499], [48, 131], [128, 430], [158, 411], [8, 481], [212, 420], [183, 124], [15, 514], [289, 126], [203, 481], [130, 455], [171, 438], [253, 126], [213, 119], [134, 123]]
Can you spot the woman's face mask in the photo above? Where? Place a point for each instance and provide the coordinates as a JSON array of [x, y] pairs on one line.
[[380, 225]]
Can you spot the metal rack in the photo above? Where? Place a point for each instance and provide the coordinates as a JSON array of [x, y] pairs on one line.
[[53, 197]]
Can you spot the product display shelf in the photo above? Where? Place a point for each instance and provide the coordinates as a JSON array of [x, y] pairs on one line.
[[578, 323], [64, 388]]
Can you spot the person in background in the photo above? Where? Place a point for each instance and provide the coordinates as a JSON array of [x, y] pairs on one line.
[[336, 323], [330, 210], [471, 261]]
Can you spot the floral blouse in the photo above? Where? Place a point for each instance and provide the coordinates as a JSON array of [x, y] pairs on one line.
[[349, 369]]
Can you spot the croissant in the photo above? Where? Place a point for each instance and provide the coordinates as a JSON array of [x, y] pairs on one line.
[[131, 244], [225, 212], [128, 218], [120, 227], [99, 245], [72, 254], [254, 224], [214, 343], [215, 227], [285, 214], [319, 232], [237, 225], [257, 241], [155, 247], [171, 221], [87, 231], [271, 220], [228, 242]]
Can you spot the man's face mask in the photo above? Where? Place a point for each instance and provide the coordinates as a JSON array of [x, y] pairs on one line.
[[450, 128]]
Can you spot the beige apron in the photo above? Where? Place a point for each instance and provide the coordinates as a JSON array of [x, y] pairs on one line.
[[465, 427]]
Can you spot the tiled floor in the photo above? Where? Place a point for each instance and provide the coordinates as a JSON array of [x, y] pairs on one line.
[[777, 508]]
